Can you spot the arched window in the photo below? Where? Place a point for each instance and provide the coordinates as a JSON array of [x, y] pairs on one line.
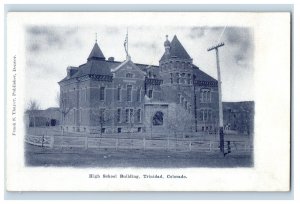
[[158, 118]]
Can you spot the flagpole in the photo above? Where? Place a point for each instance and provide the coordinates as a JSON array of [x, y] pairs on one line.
[[127, 43]]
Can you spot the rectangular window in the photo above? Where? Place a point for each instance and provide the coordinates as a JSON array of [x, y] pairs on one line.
[[205, 115], [150, 93], [139, 129], [102, 116], [139, 118], [119, 94], [131, 115], [205, 95], [102, 130], [138, 95], [201, 115], [119, 130], [127, 115], [102, 91], [189, 79], [177, 78], [119, 115], [129, 75], [171, 78], [129, 92]]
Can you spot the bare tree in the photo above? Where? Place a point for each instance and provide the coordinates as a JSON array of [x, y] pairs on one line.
[[64, 107], [180, 120], [33, 105], [102, 117]]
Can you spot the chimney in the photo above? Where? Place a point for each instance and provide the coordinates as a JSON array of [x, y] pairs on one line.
[[111, 59]]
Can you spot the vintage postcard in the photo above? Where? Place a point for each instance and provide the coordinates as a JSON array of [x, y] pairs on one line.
[[148, 101]]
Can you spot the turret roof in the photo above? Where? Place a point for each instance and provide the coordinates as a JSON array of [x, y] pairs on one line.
[[176, 51], [96, 53]]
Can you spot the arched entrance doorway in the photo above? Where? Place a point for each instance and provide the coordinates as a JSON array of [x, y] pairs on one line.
[[158, 118]]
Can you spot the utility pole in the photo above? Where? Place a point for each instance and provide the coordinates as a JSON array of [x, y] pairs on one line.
[[221, 126]]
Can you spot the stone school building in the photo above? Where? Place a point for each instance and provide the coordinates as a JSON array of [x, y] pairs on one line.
[[108, 96]]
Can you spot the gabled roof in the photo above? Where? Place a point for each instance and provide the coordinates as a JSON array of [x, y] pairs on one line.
[[176, 51], [202, 76], [128, 61], [119, 66], [96, 53]]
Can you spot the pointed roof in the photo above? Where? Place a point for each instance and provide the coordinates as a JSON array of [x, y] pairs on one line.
[[96, 53], [176, 51]]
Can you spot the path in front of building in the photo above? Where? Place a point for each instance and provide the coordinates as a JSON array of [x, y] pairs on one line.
[[38, 156]]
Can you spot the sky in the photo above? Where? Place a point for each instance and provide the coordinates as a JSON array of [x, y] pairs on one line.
[[51, 49]]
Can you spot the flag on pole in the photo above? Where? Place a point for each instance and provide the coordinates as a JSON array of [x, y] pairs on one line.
[[126, 44]]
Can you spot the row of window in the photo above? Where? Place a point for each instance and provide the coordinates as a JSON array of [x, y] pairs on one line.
[[131, 116], [207, 128], [101, 117], [129, 94], [205, 115], [182, 65], [205, 95], [180, 78], [102, 95]]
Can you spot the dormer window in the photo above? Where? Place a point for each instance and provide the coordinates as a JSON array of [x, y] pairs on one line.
[[129, 75]]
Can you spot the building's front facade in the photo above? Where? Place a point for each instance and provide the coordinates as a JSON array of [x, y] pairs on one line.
[[114, 97]]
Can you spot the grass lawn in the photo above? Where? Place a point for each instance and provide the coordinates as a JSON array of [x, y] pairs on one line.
[[38, 156]]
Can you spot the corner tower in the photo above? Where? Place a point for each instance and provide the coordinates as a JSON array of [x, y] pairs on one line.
[[176, 69]]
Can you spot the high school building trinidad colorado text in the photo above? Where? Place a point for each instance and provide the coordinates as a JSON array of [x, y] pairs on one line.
[[107, 96]]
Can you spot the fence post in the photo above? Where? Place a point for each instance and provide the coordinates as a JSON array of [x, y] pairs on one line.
[[51, 141], [43, 140], [117, 143], [86, 143]]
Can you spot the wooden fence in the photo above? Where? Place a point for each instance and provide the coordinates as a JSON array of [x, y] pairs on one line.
[[170, 144]]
